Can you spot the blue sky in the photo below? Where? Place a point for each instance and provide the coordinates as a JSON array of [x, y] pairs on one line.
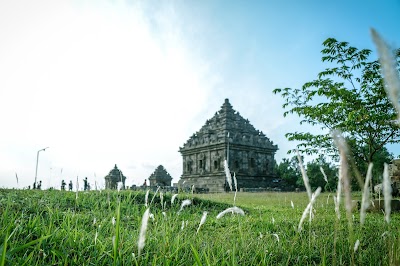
[[128, 82]]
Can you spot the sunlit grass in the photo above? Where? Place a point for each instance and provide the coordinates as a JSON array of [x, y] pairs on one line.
[[52, 228]]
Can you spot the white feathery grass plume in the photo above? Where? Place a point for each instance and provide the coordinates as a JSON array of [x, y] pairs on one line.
[[323, 173], [389, 71], [291, 204], [192, 189], [335, 200], [151, 216], [338, 194], [162, 199], [235, 182], [343, 171], [186, 202], [94, 221], [173, 198], [143, 229], [308, 209], [155, 194], [183, 225], [277, 237], [387, 192], [365, 195], [95, 238], [304, 175], [164, 214], [230, 210], [113, 221], [146, 198], [356, 245], [273, 220], [327, 198], [228, 174], [202, 221]]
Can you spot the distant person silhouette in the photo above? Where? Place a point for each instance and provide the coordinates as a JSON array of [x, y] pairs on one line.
[[70, 185], [85, 184], [63, 184]]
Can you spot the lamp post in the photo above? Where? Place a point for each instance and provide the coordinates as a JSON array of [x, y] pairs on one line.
[[37, 161]]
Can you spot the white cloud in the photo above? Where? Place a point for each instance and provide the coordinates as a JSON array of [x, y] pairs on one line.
[[98, 83]]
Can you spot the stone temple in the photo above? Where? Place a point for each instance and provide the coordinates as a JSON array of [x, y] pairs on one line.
[[227, 135], [113, 177], [160, 177]]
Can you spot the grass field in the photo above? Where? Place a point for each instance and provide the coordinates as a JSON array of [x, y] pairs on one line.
[[102, 228]]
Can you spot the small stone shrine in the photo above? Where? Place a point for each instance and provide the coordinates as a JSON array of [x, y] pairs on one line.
[[113, 177], [227, 135], [160, 177]]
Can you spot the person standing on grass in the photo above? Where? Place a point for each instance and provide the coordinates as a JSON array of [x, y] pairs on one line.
[[85, 184], [39, 186], [63, 184], [70, 185]]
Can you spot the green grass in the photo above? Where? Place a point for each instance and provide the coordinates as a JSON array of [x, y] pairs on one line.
[[55, 228]]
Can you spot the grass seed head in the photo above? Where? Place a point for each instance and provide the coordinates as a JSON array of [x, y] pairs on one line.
[[146, 198], [230, 210], [202, 220], [228, 174], [389, 71], [308, 209], [143, 229], [173, 198], [185, 203], [387, 192], [304, 175], [356, 245], [365, 196]]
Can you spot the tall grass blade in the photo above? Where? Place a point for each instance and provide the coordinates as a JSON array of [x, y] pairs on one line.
[[323, 173], [387, 192], [308, 209], [389, 70], [235, 182], [116, 242], [143, 229], [343, 171], [228, 174], [365, 195], [196, 255], [146, 198], [304, 175], [158, 188]]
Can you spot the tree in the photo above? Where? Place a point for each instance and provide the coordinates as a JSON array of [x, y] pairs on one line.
[[289, 171], [382, 156], [348, 96], [316, 177]]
